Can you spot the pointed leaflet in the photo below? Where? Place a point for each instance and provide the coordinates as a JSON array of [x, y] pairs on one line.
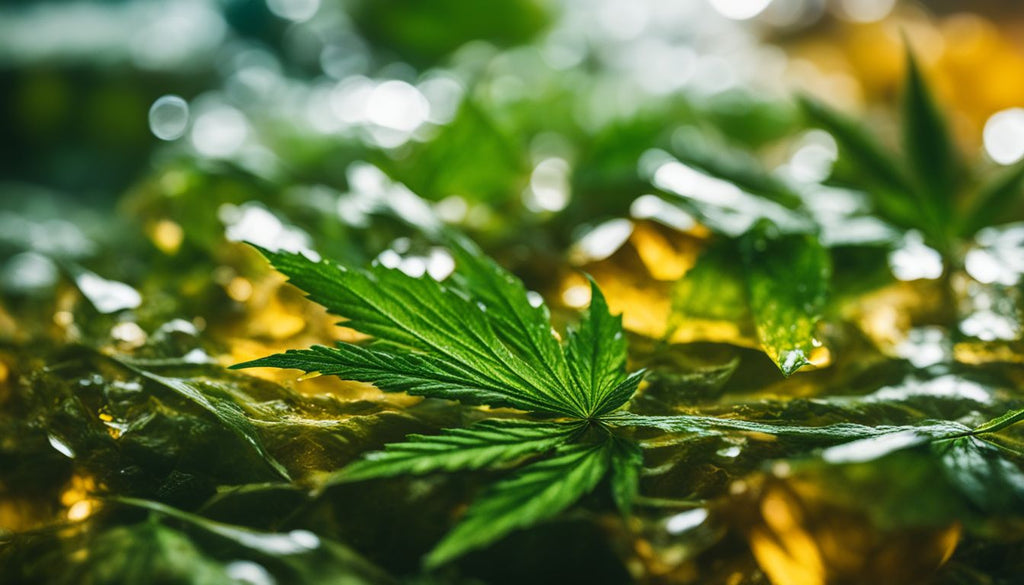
[[536, 492], [870, 165], [596, 353], [416, 374], [482, 445], [525, 328], [929, 149], [787, 280], [994, 199], [999, 423], [424, 316], [626, 462]]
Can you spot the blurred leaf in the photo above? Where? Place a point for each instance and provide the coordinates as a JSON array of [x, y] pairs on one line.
[[747, 118], [995, 198], [736, 167], [685, 372], [722, 205], [422, 34], [856, 142], [871, 166], [810, 436], [923, 477], [930, 151], [142, 553], [535, 493], [469, 157], [788, 283], [298, 556]]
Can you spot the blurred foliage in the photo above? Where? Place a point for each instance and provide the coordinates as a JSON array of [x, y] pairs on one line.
[[731, 219]]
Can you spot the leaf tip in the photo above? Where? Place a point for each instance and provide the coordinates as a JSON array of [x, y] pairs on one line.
[[791, 361]]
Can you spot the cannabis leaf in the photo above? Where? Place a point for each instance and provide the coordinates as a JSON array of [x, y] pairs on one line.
[[478, 339], [597, 357], [539, 491], [924, 189], [484, 444]]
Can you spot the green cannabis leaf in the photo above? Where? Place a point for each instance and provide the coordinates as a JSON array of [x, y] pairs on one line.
[[924, 189], [539, 491], [478, 340], [484, 444]]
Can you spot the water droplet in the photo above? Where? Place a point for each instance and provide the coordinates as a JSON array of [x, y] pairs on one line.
[[168, 117]]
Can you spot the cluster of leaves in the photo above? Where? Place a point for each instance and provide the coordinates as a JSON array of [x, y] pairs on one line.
[[787, 250], [928, 189], [475, 338], [478, 339], [480, 342]]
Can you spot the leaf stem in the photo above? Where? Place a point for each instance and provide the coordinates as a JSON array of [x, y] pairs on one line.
[[1001, 422]]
